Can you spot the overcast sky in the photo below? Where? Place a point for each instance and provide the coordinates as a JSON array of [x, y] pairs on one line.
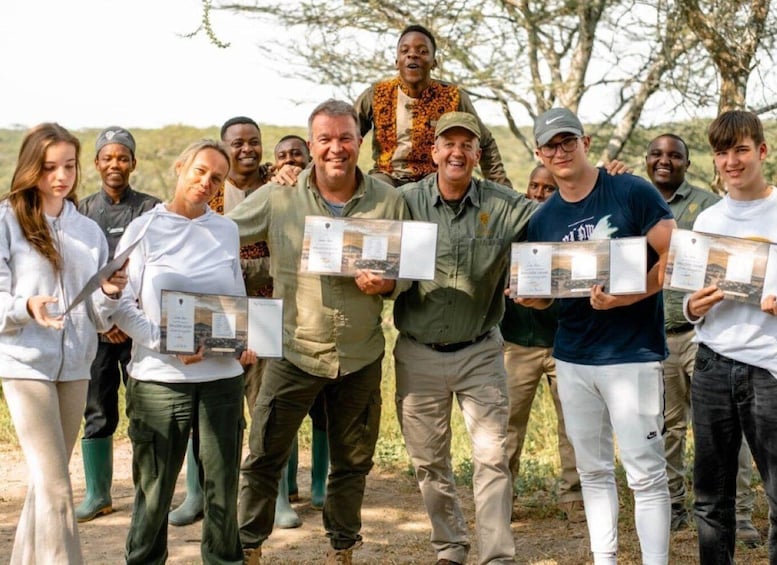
[[93, 63]]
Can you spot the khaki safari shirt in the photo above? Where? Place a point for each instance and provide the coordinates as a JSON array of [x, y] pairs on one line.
[[466, 298], [330, 327]]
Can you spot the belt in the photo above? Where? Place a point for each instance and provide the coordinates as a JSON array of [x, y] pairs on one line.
[[454, 347], [680, 329]]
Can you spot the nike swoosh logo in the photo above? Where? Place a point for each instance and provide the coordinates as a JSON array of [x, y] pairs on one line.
[[548, 122]]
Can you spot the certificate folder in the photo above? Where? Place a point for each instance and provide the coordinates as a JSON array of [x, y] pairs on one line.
[[221, 325], [392, 248], [570, 269], [744, 269]]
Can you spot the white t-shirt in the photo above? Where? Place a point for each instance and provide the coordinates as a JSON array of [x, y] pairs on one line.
[[736, 330]]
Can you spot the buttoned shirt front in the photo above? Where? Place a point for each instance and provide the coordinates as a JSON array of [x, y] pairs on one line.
[[330, 327], [465, 299]]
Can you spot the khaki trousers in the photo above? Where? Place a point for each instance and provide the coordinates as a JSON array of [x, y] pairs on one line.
[[47, 416], [427, 381], [525, 368]]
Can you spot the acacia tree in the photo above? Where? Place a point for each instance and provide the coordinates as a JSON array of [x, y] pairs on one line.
[[733, 33], [524, 55]]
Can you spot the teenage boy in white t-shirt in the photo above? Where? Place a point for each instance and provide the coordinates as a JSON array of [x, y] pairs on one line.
[[734, 386]]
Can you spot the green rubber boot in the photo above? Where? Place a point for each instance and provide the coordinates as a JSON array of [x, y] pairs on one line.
[[285, 516], [191, 508], [319, 468], [98, 471], [292, 467]]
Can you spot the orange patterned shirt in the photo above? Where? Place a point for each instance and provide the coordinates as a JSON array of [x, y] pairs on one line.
[[435, 100], [252, 250]]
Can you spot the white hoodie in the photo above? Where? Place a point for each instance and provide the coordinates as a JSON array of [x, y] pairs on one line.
[[28, 350], [176, 253]]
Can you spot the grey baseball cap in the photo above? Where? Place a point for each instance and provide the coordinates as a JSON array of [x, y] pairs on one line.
[[115, 134], [554, 122]]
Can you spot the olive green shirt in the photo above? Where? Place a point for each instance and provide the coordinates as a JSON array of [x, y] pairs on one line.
[[466, 297], [330, 327], [686, 204]]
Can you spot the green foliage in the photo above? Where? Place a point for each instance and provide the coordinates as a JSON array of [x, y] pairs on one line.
[[158, 148]]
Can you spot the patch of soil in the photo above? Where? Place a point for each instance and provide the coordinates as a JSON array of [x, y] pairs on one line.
[[395, 527]]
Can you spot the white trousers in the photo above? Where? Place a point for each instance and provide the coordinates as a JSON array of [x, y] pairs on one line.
[[47, 416], [626, 399]]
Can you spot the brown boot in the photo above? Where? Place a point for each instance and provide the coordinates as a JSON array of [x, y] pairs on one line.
[[252, 556], [574, 511], [341, 556]]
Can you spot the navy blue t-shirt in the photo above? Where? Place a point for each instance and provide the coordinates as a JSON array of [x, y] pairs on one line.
[[618, 206]]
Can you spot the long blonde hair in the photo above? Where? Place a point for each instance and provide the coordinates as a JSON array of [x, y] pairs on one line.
[[24, 197]]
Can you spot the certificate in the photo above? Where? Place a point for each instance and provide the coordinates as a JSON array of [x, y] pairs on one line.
[[220, 325], [570, 269], [417, 255], [178, 327], [108, 269], [534, 272], [688, 252], [743, 269], [391, 248], [265, 326], [628, 265], [325, 244]]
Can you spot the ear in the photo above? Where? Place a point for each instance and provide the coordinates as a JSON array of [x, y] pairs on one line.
[[434, 63], [434, 153], [763, 151], [134, 164]]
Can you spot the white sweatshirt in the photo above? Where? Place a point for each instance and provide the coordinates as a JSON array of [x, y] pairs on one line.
[[736, 330], [176, 253], [27, 349]]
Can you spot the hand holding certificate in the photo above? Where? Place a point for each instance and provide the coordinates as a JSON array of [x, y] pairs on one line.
[[216, 325], [571, 269], [390, 248], [744, 270]]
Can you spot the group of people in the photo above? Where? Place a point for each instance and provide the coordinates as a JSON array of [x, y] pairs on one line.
[[234, 226]]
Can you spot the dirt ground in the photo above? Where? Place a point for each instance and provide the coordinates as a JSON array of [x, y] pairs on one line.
[[395, 527]]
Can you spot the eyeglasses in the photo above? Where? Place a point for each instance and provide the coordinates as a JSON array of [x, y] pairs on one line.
[[568, 144]]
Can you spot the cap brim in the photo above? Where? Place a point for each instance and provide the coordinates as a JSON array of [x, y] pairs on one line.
[[550, 134], [460, 126]]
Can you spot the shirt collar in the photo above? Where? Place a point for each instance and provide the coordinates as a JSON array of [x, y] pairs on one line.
[[472, 194], [122, 198]]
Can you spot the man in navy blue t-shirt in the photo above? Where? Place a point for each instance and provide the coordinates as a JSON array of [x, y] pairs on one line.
[[609, 348]]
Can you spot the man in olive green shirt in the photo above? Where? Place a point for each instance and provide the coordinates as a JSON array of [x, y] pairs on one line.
[[332, 336], [449, 343], [667, 161]]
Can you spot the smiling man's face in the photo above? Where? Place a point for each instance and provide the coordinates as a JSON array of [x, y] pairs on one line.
[[415, 59]]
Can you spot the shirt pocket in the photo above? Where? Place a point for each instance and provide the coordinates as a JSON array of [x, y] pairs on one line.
[[486, 258]]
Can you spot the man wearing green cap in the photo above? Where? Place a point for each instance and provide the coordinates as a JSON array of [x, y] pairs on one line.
[[113, 208], [449, 343]]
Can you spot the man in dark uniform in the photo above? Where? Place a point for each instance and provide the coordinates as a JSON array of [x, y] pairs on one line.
[[113, 208]]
